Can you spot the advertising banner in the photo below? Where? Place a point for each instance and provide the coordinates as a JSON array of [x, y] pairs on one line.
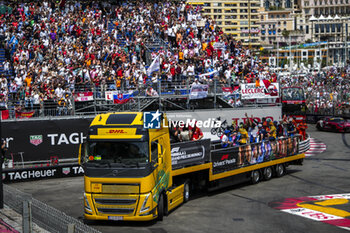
[[37, 140], [84, 96], [189, 153], [252, 91], [230, 158], [36, 173], [225, 159], [109, 94], [199, 91]]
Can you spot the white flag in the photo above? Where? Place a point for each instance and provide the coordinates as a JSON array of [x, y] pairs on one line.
[[155, 66]]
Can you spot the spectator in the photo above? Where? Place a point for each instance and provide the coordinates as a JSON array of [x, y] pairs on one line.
[[196, 133]]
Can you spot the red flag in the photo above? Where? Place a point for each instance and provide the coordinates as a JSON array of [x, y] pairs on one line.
[[266, 83], [5, 114]]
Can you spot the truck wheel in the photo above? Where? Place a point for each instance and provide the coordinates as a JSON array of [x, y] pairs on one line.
[[255, 177], [267, 173], [280, 170], [186, 192], [160, 208]]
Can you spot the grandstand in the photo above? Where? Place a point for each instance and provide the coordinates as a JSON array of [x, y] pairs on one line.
[[85, 57]]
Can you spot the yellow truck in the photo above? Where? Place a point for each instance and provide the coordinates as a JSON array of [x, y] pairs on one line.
[[134, 173]]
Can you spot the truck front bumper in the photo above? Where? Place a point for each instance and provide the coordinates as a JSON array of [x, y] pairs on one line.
[[121, 218]]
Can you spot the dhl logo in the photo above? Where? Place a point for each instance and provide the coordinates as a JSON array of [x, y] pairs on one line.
[[117, 131]]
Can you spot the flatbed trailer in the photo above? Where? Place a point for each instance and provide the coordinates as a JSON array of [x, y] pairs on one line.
[[119, 186]]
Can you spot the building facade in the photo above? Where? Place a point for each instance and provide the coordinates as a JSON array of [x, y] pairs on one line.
[[328, 21], [239, 18], [277, 26]]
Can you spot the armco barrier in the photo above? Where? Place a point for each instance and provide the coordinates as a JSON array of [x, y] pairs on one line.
[[44, 215]]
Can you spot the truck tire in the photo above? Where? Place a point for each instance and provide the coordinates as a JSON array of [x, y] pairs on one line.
[[255, 176], [160, 208], [267, 173], [280, 170], [186, 191]]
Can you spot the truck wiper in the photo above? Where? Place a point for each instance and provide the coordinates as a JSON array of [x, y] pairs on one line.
[[102, 164], [132, 164]]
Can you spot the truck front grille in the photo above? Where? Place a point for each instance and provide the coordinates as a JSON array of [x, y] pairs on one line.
[[103, 201], [119, 211], [115, 204]]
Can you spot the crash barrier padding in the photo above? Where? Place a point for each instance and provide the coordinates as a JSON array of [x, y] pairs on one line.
[[40, 140], [37, 173]]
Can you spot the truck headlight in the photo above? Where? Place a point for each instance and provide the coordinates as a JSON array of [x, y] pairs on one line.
[[143, 207], [87, 206]]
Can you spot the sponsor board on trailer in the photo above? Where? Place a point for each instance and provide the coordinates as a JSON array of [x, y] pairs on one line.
[[333, 209], [188, 153]]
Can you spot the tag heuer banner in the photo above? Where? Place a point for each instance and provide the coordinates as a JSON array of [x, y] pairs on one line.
[[252, 91], [39, 140]]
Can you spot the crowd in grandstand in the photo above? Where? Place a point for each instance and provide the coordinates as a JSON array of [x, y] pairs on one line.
[[57, 48]]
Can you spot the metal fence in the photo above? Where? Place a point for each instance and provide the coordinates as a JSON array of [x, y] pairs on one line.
[[44, 215], [167, 94]]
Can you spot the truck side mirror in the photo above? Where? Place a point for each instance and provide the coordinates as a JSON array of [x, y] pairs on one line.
[[160, 151]]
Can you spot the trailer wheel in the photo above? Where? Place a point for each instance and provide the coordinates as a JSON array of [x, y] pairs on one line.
[[280, 170], [186, 191], [160, 208], [267, 173], [255, 177]]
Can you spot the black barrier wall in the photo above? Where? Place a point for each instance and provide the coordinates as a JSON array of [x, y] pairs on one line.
[[37, 140], [26, 174]]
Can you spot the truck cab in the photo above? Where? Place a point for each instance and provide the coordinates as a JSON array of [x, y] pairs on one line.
[[127, 169]]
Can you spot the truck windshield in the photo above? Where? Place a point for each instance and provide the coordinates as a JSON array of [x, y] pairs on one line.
[[123, 152]]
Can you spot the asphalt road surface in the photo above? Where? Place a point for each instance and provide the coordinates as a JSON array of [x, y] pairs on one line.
[[241, 208]]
